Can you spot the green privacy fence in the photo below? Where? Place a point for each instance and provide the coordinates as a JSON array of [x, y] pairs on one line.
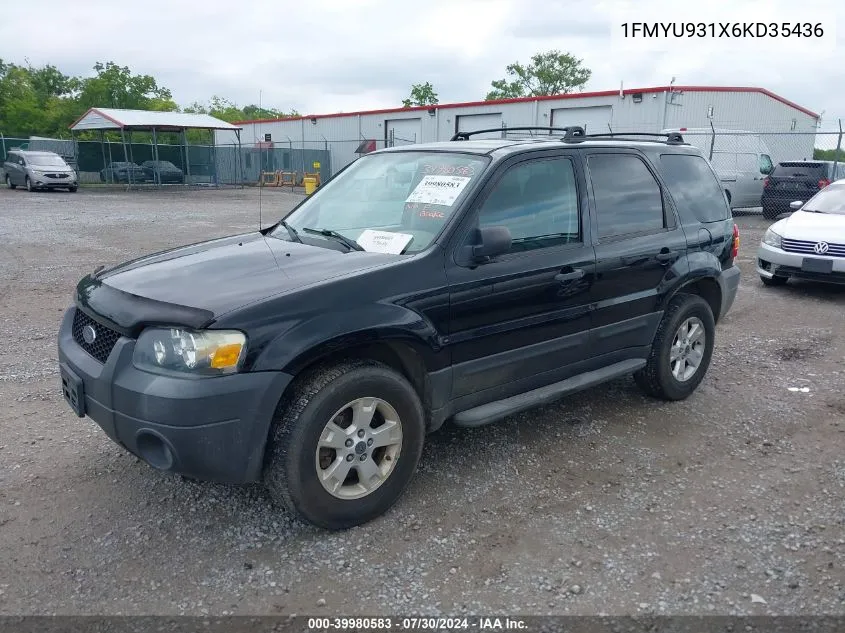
[[206, 164]]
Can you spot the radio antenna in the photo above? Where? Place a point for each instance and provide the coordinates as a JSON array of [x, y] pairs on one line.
[[260, 164]]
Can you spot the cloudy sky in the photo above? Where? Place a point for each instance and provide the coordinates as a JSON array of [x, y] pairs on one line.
[[342, 55]]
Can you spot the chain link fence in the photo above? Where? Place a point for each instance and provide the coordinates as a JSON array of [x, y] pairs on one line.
[[148, 164], [731, 150]]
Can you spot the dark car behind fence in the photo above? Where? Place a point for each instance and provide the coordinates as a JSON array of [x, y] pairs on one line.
[[206, 164]]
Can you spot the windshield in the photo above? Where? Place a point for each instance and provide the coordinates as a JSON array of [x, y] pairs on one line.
[[829, 200], [395, 202], [46, 160]]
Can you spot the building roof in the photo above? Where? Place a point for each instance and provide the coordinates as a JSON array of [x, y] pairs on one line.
[[575, 95], [116, 119]]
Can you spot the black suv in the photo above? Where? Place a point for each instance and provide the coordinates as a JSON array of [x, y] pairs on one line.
[[459, 281], [797, 180]]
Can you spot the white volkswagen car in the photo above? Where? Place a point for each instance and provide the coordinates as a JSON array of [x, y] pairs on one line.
[[810, 243]]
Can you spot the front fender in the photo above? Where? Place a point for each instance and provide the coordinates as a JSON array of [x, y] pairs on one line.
[[324, 334]]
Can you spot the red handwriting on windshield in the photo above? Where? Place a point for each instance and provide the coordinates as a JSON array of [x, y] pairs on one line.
[[426, 210]]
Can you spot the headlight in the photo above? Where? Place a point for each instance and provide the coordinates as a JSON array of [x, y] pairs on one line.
[[772, 239], [202, 353]]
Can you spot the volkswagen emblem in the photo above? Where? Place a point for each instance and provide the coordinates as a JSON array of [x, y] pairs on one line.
[[821, 248], [89, 334]]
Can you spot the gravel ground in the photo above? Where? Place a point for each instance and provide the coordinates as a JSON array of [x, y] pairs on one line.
[[728, 503]]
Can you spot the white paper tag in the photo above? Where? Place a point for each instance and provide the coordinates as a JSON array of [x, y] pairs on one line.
[[438, 190], [384, 241]]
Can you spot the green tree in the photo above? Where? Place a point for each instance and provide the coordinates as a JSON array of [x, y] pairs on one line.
[[227, 110], [549, 73], [421, 95], [20, 112], [116, 87], [828, 154], [45, 102]]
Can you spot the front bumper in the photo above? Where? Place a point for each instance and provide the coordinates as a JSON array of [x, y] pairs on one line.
[[44, 182], [773, 262], [213, 429]]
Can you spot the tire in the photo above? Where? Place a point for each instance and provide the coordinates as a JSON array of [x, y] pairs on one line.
[[73, 189], [29, 186], [292, 459], [9, 183], [774, 281], [657, 378]]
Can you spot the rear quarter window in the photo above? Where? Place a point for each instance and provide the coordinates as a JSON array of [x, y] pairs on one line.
[[694, 188]]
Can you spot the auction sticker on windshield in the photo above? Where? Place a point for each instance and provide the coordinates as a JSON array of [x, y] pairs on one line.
[[384, 241], [442, 190]]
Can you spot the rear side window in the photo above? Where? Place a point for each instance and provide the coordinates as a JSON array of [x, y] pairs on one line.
[[799, 170], [694, 188], [628, 198]]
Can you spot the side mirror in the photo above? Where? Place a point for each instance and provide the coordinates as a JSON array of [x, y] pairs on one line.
[[491, 241], [797, 204]]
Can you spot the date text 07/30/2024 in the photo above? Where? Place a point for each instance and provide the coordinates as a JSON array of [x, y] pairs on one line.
[[416, 624]]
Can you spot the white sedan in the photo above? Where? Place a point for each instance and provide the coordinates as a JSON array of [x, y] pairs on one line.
[[809, 244]]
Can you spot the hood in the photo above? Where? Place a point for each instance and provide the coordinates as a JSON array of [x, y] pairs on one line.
[[56, 169], [221, 275], [813, 227]]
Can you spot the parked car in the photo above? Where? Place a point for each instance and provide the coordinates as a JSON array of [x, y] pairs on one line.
[[797, 180], [315, 355], [163, 171], [38, 170], [124, 172], [810, 243], [741, 159]]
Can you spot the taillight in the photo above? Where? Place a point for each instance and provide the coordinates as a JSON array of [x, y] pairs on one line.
[[735, 246], [765, 182], [824, 182]]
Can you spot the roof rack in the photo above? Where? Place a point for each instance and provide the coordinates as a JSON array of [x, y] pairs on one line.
[[671, 138], [569, 132]]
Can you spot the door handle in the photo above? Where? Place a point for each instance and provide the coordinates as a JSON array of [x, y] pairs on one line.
[[665, 256], [577, 273]]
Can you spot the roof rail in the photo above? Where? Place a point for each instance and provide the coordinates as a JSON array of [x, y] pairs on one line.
[[464, 136], [672, 138]]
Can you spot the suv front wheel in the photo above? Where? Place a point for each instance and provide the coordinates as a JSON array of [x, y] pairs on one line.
[[345, 444], [682, 348]]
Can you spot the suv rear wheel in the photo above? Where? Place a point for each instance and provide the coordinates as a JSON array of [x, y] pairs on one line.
[[9, 183], [682, 348], [345, 444]]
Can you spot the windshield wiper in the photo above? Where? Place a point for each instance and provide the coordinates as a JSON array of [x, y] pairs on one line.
[[352, 245], [291, 231]]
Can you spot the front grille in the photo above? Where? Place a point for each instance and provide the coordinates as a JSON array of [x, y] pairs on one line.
[[57, 175], [808, 248], [104, 341]]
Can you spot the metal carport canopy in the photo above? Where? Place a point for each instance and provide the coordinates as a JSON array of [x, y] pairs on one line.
[[116, 119], [127, 121]]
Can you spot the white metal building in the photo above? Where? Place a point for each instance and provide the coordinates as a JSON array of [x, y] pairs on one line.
[[789, 128]]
